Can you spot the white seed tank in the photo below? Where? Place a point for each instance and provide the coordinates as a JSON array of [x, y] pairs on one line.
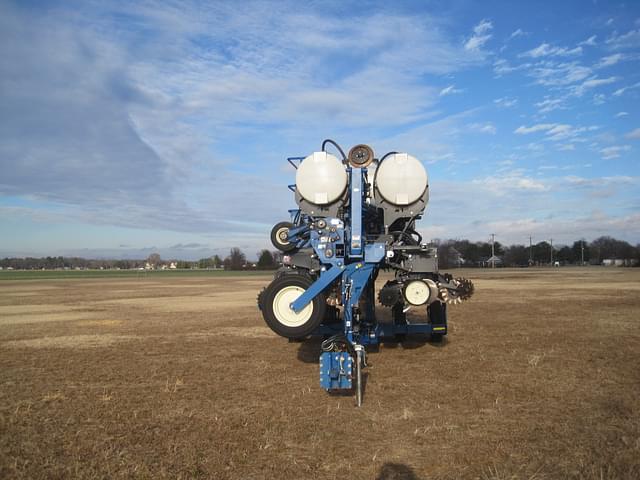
[[321, 178], [401, 179]]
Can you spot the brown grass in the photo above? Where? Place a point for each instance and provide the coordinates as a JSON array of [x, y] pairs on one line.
[[180, 378]]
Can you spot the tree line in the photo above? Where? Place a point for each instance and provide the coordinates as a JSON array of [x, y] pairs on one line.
[[236, 260], [455, 253], [451, 254]]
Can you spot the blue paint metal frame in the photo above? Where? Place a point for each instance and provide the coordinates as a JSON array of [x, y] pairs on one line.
[[357, 265], [355, 218], [326, 278], [336, 370]]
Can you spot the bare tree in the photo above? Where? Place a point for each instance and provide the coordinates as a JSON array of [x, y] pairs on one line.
[[154, 259], [236, 259]]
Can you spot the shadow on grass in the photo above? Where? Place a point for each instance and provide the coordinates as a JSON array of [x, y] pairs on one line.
[[396, 471], [309, 350], [416, 341]]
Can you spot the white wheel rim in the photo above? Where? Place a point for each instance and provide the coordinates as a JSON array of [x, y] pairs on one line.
[[280, 232], [283, 312], [417, 292]]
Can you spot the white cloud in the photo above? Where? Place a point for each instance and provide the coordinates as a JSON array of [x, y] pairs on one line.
[[634, 134], [554, 74], [621, 114], [450, 90], [569, 229], [631, 39], [556, 131], [593, 82], [431, 142], [522, 130], [563, 132], [518, 33], [550, 104], [560, 132], [621, 91], [535, 147], [596, 82], [547, 50], [119, 122], [502, 67], [518, 219], [610, 60], [502, 184], [506, 102], [483, 128], [591, 41], [480, 36], [531, 211], [614, 152], [616, 180], [567, 147]]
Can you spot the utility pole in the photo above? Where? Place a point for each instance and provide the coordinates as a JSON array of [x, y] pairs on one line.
[[530, 251], [493, 252], [551, 241]]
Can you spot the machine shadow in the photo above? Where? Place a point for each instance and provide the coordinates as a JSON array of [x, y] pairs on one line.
[[419, 341], [309, 349], [396, 471], [413, 342]]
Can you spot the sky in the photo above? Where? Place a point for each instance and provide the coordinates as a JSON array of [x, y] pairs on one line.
[[128, 128]]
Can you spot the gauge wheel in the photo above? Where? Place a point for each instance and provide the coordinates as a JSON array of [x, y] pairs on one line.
[[279, 316], [279, 234]]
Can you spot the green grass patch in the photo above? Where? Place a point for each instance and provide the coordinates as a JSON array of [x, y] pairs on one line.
[[71, 274]]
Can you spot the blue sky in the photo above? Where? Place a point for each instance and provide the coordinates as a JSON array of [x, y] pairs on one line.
[[132, 127]]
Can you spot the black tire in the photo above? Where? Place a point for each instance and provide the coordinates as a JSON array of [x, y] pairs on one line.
[[276, 236], [261, 298], [278, 325]]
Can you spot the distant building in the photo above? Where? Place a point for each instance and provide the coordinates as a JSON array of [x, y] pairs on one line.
[[488, 262], [619, 262]]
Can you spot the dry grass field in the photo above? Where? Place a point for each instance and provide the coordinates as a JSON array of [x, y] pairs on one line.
[[178, 377]]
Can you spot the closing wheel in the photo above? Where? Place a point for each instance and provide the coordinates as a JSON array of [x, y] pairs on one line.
[[277, 312], [279, 236]]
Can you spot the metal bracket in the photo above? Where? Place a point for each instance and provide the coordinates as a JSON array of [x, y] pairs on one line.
[[292, 161]]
